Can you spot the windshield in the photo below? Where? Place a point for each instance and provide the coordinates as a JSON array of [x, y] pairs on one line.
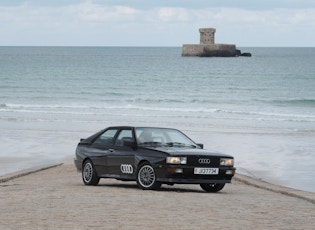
[[163, 137]]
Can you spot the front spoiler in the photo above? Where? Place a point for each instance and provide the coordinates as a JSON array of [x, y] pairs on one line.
[[191, 181]]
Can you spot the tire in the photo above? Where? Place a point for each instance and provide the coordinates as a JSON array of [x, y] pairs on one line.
[[212, 187], [89, 175], [146, 177]]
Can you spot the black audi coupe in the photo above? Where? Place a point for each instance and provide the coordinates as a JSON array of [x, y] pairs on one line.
[[151, 157]]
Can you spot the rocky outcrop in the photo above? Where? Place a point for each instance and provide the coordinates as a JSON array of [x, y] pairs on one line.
[[246, 54]]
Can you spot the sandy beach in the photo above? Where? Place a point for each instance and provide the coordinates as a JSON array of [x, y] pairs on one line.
[[55, 198]]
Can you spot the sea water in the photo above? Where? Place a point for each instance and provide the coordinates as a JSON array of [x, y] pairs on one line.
[[260, 109]]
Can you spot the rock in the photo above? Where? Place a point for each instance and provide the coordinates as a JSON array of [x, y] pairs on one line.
[[246, 54], [238, 53]]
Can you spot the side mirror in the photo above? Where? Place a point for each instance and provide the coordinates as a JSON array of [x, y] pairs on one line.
[[200, 145], [84, 141], [130, 143]]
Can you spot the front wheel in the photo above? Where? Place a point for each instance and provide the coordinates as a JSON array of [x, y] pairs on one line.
[[89, 175], [146, 178], [212, 187]]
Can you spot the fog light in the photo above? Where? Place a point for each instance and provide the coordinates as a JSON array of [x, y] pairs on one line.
[[230, 172], [174, 170]]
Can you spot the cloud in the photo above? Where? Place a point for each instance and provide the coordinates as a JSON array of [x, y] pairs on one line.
[[158, 25], [88, 11], [91, 12], [168, 14], [83, 12]]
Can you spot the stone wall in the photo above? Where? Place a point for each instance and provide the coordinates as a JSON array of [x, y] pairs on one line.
[[192, 50], [214, 50]]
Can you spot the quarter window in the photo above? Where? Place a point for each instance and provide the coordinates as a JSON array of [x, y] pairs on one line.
[[106, 139]]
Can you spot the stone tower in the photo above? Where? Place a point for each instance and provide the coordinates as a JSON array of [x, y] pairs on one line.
[[208, 48], [207, 36]]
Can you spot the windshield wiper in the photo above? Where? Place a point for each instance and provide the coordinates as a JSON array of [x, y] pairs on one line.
[[179, 144], [150, 143]]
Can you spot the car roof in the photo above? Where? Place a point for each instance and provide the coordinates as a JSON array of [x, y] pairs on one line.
[[134, 127]]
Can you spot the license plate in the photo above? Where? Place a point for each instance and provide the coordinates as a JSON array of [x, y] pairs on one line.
[[206, 171]]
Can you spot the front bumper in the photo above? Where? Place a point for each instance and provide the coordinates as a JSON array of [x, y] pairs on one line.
[[170, 174]]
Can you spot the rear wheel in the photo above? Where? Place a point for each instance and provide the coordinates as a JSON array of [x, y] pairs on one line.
[[89, 175], [212, 187], [146, 178]]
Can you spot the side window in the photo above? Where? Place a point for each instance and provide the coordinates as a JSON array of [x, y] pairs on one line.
[[106, 139], [125, 134]]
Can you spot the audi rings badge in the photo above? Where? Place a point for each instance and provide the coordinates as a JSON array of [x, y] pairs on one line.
[[204, 161], [128, 169]]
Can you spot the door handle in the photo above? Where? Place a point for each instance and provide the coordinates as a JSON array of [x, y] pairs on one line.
[[111, 150]]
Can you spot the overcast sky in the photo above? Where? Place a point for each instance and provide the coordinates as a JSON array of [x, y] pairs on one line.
[[246, 23]]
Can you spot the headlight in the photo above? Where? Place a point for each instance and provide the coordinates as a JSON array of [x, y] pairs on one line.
[[226, 162], [176, 160]]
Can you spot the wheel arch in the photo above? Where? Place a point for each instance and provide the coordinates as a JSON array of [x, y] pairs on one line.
[[86, 159], [89, 159], [154, 161], [142, 162]]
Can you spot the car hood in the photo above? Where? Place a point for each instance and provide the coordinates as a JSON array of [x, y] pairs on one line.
[[187, 151]]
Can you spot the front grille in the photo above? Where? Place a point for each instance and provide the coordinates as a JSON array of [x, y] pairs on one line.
[[203, 161]]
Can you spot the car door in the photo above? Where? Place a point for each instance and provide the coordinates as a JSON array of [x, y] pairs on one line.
[[121, 159], [100, 149]]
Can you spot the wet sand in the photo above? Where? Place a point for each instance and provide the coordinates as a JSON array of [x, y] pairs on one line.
[[55, 198]]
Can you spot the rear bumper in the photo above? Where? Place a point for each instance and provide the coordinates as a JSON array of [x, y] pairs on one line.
[[78, 164]]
